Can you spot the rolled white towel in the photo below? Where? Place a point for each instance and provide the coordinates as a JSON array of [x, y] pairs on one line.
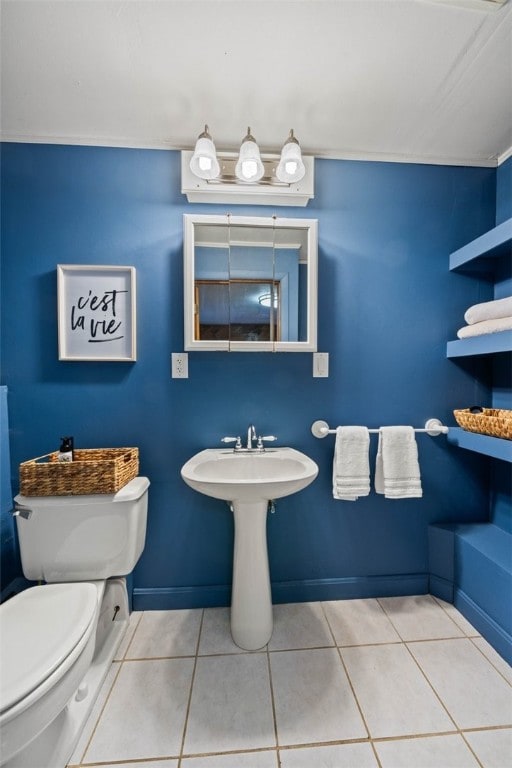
[[486, 326], [397, 470], [489, 310], [351, 464]]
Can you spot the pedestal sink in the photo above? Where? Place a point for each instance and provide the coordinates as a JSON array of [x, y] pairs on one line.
[[249, 480]]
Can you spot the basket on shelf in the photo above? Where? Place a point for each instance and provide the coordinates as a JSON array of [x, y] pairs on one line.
[[496, 422], [93, 470]]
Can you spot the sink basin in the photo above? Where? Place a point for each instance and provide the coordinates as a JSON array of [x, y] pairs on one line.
[[249, 476]]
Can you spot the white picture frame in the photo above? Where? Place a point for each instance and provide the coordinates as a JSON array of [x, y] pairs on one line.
[[96, 313]]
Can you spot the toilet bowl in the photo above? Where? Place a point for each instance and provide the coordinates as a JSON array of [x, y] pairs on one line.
[[47, 646], [58, 639]]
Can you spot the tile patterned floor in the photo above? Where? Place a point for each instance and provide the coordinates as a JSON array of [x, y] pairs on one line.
[[390, 683]]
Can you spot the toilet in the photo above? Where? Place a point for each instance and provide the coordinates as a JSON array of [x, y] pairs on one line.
[[58, 640]]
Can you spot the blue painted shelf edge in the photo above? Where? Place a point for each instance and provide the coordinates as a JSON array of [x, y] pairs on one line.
[[496, 242], [496, 447], [486, 344]]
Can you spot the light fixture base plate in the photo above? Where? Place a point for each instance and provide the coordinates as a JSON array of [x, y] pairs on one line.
[[228, 189]]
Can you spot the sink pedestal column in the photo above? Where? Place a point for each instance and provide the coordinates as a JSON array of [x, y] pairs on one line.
[[251, 600]]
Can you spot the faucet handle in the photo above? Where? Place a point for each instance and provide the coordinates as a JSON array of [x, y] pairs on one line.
[[21, 511], [236, 440], [268, 438]]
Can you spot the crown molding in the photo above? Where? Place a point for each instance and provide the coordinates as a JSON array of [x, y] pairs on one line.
[[504, 156], [356, 155]]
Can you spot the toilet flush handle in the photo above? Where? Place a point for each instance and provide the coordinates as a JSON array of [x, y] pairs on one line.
[[21, 511]]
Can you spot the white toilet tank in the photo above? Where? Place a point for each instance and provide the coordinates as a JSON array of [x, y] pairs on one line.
[[83, 538]]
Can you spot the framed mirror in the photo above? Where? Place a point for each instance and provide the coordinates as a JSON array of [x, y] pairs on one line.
[[250, 283]]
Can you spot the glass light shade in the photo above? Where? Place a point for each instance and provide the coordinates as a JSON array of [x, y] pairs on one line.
[[290, 167], [204, 163], [249, 166]]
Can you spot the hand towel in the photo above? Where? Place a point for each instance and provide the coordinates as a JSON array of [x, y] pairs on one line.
[[485, 326], [351, 465], [397, 471], [489, 310]]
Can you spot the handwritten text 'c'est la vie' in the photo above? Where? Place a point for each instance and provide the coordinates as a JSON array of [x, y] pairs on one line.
[[99, 329]]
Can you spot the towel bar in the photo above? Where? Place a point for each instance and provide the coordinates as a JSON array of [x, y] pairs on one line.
[[433, 427]]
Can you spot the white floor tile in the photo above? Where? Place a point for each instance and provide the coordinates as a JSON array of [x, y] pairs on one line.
[[313, 699], [474, 693], [238, 760], [140, 715], [458, 618], [395, 698], [359, 622], [494, 657], [430, 752], [135, 617], [335, 756], [152, 764], [419, 618], [493, 748], [216, 633], [166, 633], [231, 706], [145, 713], [299, 625]]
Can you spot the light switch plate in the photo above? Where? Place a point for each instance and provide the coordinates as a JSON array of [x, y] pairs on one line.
[[320, 364]]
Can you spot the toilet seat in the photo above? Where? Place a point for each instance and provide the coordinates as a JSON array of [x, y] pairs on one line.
[[41, 628]]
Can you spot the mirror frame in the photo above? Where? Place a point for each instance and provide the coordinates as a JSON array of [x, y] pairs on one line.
[[189, 241]]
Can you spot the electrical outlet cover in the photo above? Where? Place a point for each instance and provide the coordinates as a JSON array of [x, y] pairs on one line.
[[179, 365]]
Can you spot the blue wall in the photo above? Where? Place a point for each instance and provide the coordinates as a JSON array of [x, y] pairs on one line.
[[501, 490], [504, 191], [388, 304]]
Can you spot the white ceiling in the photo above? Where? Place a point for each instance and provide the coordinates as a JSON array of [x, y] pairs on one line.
[[405, 80]]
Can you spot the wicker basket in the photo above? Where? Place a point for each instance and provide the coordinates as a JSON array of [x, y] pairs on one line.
[[95, 470], [491, 421]]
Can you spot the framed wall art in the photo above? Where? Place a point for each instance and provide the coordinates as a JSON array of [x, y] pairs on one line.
[[96, 313]]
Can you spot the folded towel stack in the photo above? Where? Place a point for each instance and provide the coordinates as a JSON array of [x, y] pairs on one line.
[[488, 317], [351, 467], [397, 471]]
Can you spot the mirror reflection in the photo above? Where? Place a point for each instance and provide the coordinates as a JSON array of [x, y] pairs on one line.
[[241, 310], [250, 283]]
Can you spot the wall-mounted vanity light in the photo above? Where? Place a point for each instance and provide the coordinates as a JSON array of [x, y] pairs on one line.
[[204, 163], [228, 177], [290, 168], [249, 166]]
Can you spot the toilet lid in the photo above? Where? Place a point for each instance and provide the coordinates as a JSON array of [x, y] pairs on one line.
[[39, 629]]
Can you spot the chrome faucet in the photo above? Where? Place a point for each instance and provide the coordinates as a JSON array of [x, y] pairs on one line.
[[251, 435]]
